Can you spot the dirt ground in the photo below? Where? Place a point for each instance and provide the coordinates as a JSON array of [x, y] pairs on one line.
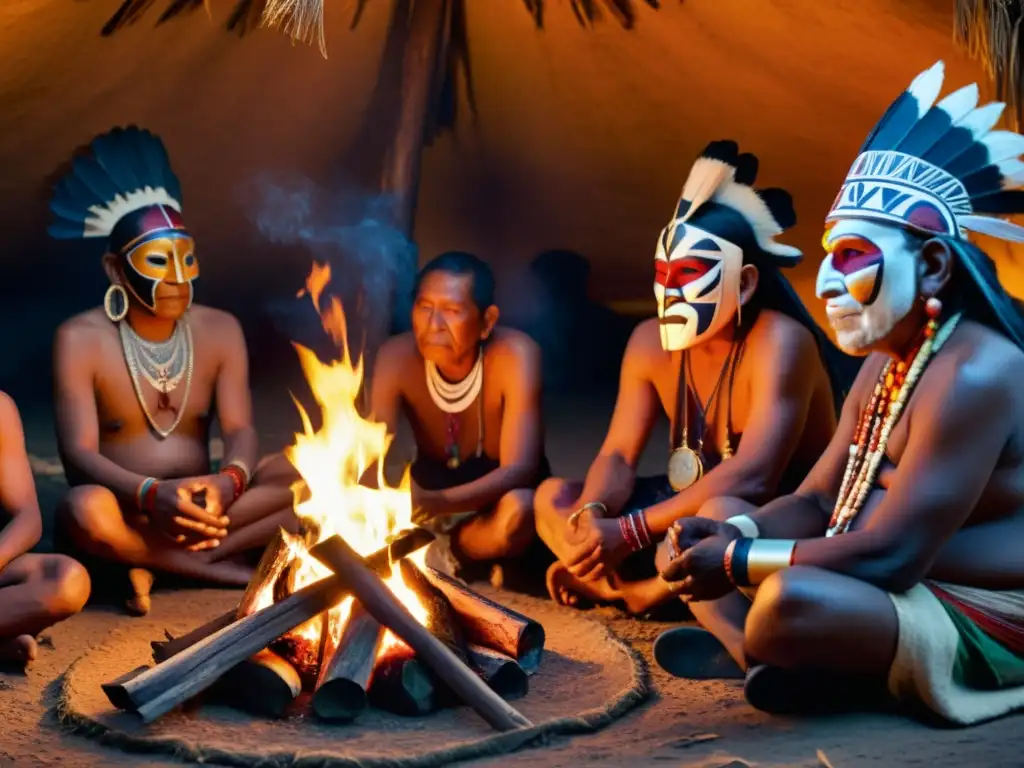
[[693, 725]]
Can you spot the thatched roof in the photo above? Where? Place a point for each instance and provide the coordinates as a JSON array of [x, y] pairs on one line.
[[579, 137]]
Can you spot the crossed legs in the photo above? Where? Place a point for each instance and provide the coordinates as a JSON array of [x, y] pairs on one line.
[[555, 501], [803, 618], [97, 525]]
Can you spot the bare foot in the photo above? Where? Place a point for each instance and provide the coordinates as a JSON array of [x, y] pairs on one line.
[[142, 582], [20, 650], [566, 589]]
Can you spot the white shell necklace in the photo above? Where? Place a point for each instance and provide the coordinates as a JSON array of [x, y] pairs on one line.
[[457, 397]]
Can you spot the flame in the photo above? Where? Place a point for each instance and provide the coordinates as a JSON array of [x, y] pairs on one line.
[[332, 461]]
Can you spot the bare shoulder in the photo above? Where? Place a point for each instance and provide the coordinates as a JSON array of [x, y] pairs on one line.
[[644, 352], [977, 365], [80, 335], [645, 341], [216, 321], [397, 360], [512, 346], [776, 338], [10, 418]]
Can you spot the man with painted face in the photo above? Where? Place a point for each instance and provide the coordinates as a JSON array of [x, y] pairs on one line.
[[734, 361], [896, 564], [471, 391], [138, 379]]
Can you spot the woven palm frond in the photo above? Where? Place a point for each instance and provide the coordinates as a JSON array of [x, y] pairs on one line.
[[991, 32]]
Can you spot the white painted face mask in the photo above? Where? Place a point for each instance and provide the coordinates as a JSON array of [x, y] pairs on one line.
[[696, 283], [868, 280]]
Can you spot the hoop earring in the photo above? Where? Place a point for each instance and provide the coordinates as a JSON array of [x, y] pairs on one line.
[[115, 316], [739, 307]]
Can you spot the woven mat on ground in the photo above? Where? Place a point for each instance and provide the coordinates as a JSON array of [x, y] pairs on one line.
[[588, 678]]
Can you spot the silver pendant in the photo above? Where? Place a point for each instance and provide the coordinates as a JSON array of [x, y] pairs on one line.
[[684, 468]]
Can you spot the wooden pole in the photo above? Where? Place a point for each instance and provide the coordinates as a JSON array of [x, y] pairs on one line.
[[381, 603], [155, 691]]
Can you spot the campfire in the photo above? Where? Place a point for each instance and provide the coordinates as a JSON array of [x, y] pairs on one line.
[[346, 614]]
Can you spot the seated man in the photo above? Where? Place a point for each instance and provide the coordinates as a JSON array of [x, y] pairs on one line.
[[840, 575], [138, 380], [735, 362], [472, 393], [36, 591]]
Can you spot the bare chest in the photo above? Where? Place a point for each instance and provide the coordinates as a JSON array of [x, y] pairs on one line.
[[714, 407], [478, 427], [131, 392]]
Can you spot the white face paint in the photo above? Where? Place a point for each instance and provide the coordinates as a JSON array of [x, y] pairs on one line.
[[869, 277], [697, 281]]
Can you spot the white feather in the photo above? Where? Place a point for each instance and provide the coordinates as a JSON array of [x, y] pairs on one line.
[[105, 217], [745, 201], [987, 225], [980, 121], [706, 176], [959, 103], [1013, 180], [1003, 145], [1011, 169], [926, 87]]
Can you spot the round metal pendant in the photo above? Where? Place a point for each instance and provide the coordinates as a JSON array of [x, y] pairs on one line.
[[684, 468]]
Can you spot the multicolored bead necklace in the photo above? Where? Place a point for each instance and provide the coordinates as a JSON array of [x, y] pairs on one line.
[[877, 420]]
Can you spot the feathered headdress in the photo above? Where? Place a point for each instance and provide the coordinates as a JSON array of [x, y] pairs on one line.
[[719, 197], [934, 169], [123, 189]]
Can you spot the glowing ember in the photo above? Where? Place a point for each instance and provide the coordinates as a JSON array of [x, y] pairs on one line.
[[332, 461]]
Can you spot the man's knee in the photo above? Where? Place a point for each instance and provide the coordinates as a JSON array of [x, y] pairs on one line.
[[275, 470], [91, 515], [786, 603], [516, 511], [724, 507], [66, 586]]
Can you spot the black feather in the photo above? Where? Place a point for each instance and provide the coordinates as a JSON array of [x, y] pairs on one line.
[[928, 131], [725, 150], [780, 203], [970, 161], [950, 146], [1006, 201], [986, 181], [746, 169], [895, 123]]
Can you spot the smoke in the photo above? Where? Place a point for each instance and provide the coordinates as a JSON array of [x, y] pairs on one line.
[[372, 263]]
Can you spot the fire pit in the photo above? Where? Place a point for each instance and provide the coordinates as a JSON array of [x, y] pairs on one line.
[[347, 614]]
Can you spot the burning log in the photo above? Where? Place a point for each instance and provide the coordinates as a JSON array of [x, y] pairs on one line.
[[264, 684], [268, 571], [155, 691], [347, 668], [501, 672], [401, 685], [491, 625], [379, 601]]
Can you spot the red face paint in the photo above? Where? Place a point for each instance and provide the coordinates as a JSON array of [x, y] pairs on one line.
[[679, 272]]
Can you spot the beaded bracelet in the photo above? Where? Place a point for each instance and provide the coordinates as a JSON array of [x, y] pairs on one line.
[[145, 494], [635, 531], [237, 476]]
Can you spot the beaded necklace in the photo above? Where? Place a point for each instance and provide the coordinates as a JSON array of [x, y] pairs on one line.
[[892, 391]]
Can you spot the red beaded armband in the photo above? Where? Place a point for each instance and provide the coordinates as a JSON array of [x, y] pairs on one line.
[[237, 479]]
